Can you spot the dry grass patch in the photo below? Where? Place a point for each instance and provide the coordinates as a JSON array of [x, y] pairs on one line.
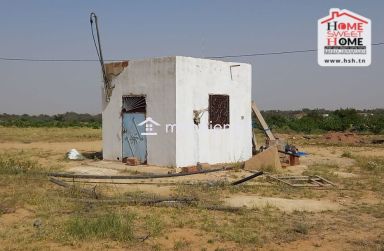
[[374, 165], [28, 135]]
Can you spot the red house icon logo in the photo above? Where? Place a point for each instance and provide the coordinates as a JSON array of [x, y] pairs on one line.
[[344, 39]]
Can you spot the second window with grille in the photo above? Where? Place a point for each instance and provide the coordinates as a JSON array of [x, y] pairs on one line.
[[218, 109]]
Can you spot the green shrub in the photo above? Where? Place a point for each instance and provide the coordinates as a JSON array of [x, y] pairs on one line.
[[154, 225], [300, 227], [112, 226], [311, 121], [346, 154], [69, 119], [371, 164]]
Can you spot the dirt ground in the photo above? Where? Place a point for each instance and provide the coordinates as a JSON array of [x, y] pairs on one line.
[[36, 214]]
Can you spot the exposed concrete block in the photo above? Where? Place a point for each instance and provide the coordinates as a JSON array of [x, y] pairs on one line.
[[294, 160], [132, 161], [203, 166], [190, 169], [266, 160], [114, 69]]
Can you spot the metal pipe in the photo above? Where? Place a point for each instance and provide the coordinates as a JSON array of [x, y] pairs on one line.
[[153, 176], [247, 178], [292, 154]]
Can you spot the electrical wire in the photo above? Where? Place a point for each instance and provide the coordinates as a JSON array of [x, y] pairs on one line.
[[91, 17], [107, 85], [212, 57], [263, 54], [48, 60], [275, 53]]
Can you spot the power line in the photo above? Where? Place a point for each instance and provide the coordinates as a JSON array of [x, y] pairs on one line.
[[51, 60], [212, 57], [264, 54], [275, 53]]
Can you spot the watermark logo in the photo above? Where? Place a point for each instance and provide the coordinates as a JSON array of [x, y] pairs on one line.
[[149, 124], [344, 39], [171, 128]]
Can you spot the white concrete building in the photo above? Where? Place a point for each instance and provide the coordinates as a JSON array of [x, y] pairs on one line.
[[177, 111]]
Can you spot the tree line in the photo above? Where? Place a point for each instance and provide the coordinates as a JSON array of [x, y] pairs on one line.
[[69, 119], [305, 120], [320, 120]]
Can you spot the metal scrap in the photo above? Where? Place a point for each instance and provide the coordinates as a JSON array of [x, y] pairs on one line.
[[237, 182], [303, 181]]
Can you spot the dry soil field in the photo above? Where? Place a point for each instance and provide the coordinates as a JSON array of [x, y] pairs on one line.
[[36, 214]]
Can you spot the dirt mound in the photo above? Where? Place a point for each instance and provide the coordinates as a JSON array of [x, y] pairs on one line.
[[340, 137]]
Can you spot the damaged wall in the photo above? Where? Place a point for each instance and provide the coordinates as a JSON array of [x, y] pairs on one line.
[[154, 79]]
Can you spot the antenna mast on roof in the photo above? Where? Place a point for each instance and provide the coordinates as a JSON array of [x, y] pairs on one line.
[[107, 84]]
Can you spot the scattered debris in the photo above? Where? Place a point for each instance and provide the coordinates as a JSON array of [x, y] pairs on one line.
[[302, 181], [203, 166], [175, 170], [378, 141], [6, 210], [290, 149], [191, 169], [246, 178], [37, 223], [270, 159], [345, 174], [294, 160], [144, 201], [266, 160], [91, 193], [131, 161], [147, 176], [95, 155], [73, 154], [144, 238]]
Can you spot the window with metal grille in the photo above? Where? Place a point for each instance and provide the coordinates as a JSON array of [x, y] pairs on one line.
[[133, 104], [218, 109]]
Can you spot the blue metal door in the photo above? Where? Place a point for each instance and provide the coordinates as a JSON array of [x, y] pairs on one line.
[[134, 144]]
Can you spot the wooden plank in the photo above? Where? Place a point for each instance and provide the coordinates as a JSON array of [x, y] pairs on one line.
[[259, 117], [303, 181], [305, 185], [254, 141], [293, 177], [285, 182], [318, 183], [333, 184]]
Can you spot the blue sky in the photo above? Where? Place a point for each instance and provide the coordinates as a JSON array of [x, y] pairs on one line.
[[143, 29]]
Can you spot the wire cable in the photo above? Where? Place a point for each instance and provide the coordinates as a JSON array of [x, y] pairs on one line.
[[263, 54], [107, 85], [275, 53], [212, 57], [91, 17]]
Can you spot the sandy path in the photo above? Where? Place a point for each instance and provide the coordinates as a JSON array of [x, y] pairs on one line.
[[287, 205]]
